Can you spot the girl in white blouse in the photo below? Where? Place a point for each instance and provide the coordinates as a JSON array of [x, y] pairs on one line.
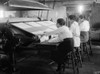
[[66, 38], [74, 27], [84, 28]]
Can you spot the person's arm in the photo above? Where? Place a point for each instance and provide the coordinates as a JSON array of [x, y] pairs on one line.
[[54, 32], [75, 30], [72, 28], [88, 25]]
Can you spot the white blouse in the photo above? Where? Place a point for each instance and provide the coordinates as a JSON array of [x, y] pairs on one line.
[[85, 26], [62, 32], [76, 33]]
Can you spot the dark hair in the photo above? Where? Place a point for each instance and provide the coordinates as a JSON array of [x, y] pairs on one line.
[[72, 17], [81, 16], [61, 21]]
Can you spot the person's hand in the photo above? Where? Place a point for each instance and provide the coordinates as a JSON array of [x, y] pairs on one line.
[[44, 33], [40, 35]]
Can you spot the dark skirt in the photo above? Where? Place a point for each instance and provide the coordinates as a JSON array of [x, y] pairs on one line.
[[64, 48], [84, 36]]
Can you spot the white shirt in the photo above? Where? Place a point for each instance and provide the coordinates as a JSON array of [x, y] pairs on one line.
[[62, 32], [85, 26], [76, 33]]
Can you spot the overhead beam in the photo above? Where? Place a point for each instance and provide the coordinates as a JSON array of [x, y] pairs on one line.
[[78, 2], [63, 0]]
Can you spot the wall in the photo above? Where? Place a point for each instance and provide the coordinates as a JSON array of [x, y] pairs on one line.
[[95, 17], [58, 11], [9, 13], [95, 22]]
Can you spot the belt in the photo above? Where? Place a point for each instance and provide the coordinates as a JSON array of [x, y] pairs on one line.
[[67, 39]]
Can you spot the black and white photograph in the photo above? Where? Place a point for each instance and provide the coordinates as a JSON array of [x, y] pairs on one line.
[[49, 36]]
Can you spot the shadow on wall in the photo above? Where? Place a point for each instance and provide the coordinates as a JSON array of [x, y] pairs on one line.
[[95, 35], [96, 26], [95, 32]]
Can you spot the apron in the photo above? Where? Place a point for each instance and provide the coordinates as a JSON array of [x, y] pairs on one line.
[[84, 36]]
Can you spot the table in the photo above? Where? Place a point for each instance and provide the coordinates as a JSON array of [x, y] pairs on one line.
[[46, 45], [45, 49]]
